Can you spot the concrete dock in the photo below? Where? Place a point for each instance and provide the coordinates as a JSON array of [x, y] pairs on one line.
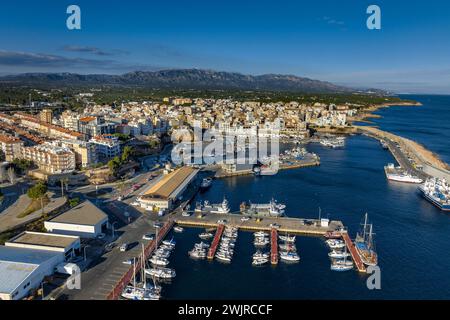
[[285, 224]]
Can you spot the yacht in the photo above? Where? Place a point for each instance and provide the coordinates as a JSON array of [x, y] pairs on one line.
[[289, 256], [178, 229], [135, 293], [287, 238], [261, 234], [259, 261], [206, 235], [338, 254], [159, 261], [163, 273], [342, 265], [197, 253], [335, 244], [206, 183]]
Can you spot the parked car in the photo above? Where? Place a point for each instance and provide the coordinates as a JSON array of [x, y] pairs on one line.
[[148, 236], [245, 219], [158, 224], [275, 225], [123, 247], [222, 221], [128, 261]]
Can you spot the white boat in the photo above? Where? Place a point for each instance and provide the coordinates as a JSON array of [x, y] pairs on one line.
[[260, 254], [185, 214], [223, 257], [437, 192], [205, 235], [206, 183], [201, 245], [398, 174], [271, 209], [170, 242], [287, 238], [135, 293], [163, 273], [161, 253], [159, 261], [198, 253], [178, 229], [340, 265], [338, 254], [288, 247], [261, 242], [216, 208], [289, 256], [261, 234], [335, 244], [259, 261]]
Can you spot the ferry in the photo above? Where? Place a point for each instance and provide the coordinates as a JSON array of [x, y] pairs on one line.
[[437, 191], [271, 209], [365, 246], [398, 174]]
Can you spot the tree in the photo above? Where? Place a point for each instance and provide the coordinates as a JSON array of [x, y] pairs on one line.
[[127, 152], [114, 165], [38, 192], [74, 202], [22, 164]]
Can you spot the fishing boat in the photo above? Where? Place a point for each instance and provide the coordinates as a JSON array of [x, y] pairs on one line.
[[159, 261], [365, 246]]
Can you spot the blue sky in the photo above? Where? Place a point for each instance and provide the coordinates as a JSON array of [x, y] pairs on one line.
[[321, 39]]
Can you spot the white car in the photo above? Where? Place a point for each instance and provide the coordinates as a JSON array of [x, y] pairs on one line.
[[275, 225], [123, 247], [243, 219], [135, 204], [222, 221], [128, 262], [148, 237]]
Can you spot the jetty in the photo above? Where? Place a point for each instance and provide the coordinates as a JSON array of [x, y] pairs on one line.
[[215, 243], [299, 226], [355, 256], [274, 246]]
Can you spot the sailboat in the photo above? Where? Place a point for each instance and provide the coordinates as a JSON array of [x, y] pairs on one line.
[[365, 245], [133, 292]]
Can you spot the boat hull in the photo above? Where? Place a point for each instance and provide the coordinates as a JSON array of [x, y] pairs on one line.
[[434, 201]]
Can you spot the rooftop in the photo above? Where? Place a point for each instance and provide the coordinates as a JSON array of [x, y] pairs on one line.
[[16, 264], [86, 213], [43, 239], [169, 183]]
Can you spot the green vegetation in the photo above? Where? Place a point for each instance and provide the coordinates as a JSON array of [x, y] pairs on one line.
[[35, 205], [122, 137], [38, 191], [22, 165], [115, 163], [74, 202]]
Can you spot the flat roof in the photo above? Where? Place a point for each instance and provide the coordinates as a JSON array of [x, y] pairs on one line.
[[169, 183], [16, 264], [86, 213], [44, 239]]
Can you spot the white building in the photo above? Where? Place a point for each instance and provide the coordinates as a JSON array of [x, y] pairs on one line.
[[22, 270], [85, 220], [107, 146]]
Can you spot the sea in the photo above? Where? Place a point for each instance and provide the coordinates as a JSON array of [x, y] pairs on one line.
[[412, 237]]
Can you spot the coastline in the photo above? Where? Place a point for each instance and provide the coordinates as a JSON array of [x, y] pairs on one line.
[[367, 113]]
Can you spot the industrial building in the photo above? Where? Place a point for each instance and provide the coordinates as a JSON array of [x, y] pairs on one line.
[[85, 220], [23, 270], [165, 192], [68, 246]]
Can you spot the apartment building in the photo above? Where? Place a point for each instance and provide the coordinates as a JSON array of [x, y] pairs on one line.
[[85, 152], [107, 146], [51, 158], [11, 147]]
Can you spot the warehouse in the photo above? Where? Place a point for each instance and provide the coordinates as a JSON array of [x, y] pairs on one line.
[[170, 188], [22, 270], [85, 220], [68, 246]]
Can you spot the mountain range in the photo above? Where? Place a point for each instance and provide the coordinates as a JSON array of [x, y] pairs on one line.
[[182, 79]]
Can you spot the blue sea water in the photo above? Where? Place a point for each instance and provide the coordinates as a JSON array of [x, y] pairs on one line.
[[412, 236]]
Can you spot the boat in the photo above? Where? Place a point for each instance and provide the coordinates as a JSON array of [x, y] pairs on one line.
[[338, 254], [287, 238], [269, 170], [437, 191], [364, 245], [261, 242], [178, 229], [197, 253], [132, 292], [384, 144], [335, 244], [170, 242], [288, 247], [341, 265], [205, 235], [161, 253], [271, 209], [201, 245], [214, 208], [399, 175], [337, 234], [259, 254], [185, 213], [334, 143], [223, 257], [289, 256], [259, 261], [206, 183], [163, 273], [261, 234], [159, 261]]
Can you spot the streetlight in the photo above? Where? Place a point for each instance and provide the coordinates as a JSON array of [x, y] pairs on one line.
[[113, 229], [84, 250]]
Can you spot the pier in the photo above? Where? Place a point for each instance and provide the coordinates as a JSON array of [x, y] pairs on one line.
[[285, 224], [355, 256], [215, 242], [274, 246]]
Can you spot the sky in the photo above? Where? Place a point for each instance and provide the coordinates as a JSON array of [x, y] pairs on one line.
[[321, 39]]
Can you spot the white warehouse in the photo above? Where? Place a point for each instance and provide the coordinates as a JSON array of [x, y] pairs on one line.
[[85, 220]]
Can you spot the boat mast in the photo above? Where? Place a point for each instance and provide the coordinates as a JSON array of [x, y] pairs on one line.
[[143, 267], [370, 237], [365, 227]]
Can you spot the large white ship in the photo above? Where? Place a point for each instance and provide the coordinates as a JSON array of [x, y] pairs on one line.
[[437, 191], [398, 174], [271, 209]]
